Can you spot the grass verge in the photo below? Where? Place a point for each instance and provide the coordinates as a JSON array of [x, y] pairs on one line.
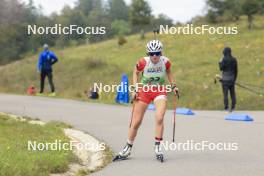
[[16, 159]]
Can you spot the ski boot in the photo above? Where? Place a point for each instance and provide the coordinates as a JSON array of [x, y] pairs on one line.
[[124, 153], [159, 154]]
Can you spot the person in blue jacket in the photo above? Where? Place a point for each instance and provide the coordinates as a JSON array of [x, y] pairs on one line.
[[46, 59]]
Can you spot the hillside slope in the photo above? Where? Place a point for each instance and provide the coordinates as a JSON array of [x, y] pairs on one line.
[[195, 62]]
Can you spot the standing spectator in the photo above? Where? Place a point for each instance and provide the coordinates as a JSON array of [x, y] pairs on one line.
[[46, 59], [228, 66]]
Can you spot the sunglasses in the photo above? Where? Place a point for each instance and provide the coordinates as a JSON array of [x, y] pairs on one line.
[[155, 53]]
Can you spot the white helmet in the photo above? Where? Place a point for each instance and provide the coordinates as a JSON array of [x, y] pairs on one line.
[[154, 46]]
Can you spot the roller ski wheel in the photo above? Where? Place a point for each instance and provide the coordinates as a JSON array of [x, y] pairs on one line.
[[119, 158], [160, 158]]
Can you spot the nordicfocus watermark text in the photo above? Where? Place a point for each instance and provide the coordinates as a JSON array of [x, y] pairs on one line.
[[58, 29], [191, 29], [191, 145], [58, 145], [124, 87]]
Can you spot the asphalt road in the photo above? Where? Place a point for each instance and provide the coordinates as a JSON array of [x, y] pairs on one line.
[[110, 123]]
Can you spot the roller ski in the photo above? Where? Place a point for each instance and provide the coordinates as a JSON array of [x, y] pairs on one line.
[[159, 154], [124, 154], [160, 158]]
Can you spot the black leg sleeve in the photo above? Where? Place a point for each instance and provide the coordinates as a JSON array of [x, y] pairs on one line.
[[225, 93], [233, 96], [50, 77], [42, 81]]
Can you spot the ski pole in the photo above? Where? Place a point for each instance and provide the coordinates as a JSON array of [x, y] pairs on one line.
[[246, 87], [249, 89], [174, 114], [132, 112]]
